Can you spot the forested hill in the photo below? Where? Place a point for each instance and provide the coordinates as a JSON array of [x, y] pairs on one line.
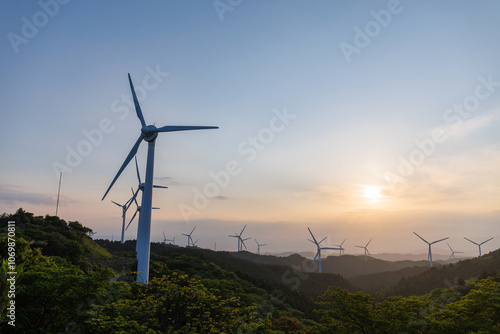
[[66, 282]]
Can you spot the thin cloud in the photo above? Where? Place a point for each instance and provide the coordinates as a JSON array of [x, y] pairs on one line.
[[11, 195]]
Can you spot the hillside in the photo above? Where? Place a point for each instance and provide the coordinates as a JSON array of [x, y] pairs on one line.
[[447, 275]]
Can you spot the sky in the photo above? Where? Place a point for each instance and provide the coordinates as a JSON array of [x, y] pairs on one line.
[[359, 119]]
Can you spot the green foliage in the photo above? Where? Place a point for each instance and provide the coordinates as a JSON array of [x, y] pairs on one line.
[[170, 304]]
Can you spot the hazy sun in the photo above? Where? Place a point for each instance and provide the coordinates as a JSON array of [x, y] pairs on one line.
[[372, 192]]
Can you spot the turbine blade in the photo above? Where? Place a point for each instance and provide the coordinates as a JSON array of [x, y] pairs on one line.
[[439, 240], [126, 228], [160, 187], [136, 103], [360, 246], [137, 169], [117, 204], [421, 238], [244, 227], [312, 236], [171, 128], [342, 242], [368, 243], [313, 261], [192, 230], [155, 208], [322, 240], [486, 241], [471, 241], [127, 160], [449, 247], [164, 237]]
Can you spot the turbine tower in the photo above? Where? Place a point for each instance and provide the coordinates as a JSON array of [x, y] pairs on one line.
[[124, 211], [190, 240], [319, 249], [365, 248], [258, 246], [241, 241], [452, 253], [148, 134], [429, 255], [479, 245]]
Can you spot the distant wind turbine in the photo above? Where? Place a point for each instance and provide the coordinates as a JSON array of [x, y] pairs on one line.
[[190, 239], [165, 238], [452, 253], [429, 255], [124, 211], [479, 245], [241, 241], [318, 250], [341, 250], [148, 134], [366, 248], [258, 246]]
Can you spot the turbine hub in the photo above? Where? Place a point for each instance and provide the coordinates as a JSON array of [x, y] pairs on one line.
[[150, 132]]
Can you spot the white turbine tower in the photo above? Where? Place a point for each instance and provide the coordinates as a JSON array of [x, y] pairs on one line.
[[190, 240], [124, 211], [341, 249], [479, 245], [258, 246], [241, 241], [319, 249], [452, 253], [148, 134], [429, 255], [366, 248]]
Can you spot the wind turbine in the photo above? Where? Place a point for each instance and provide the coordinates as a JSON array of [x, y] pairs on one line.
[[452, 253], [241, 242], [342, 250], [165, 238], [124, 211], [479, 245], [429, 255], [258, 246], [190, 240], [319, 249], [365, 248], [194, 243], [148, 134]]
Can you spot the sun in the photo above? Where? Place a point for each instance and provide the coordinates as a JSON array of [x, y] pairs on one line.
[[372, 192]]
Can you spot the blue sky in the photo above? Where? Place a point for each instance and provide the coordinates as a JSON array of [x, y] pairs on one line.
[[353, 120]]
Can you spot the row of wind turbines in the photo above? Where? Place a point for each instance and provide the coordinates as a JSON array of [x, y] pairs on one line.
[[149, 133]]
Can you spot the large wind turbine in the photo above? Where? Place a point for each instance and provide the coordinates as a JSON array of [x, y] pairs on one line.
[[241, 241], [124, 211], [429, 255], [479, 245], [366, 248], [452, 253], [148, 134], [319, 249], [190, 240], [258, 246]]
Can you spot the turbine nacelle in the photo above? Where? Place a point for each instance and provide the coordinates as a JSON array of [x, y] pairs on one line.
[[150, 132]]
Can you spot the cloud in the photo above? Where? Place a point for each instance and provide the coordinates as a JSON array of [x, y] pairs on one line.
[[466, 127], [14, 195]]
